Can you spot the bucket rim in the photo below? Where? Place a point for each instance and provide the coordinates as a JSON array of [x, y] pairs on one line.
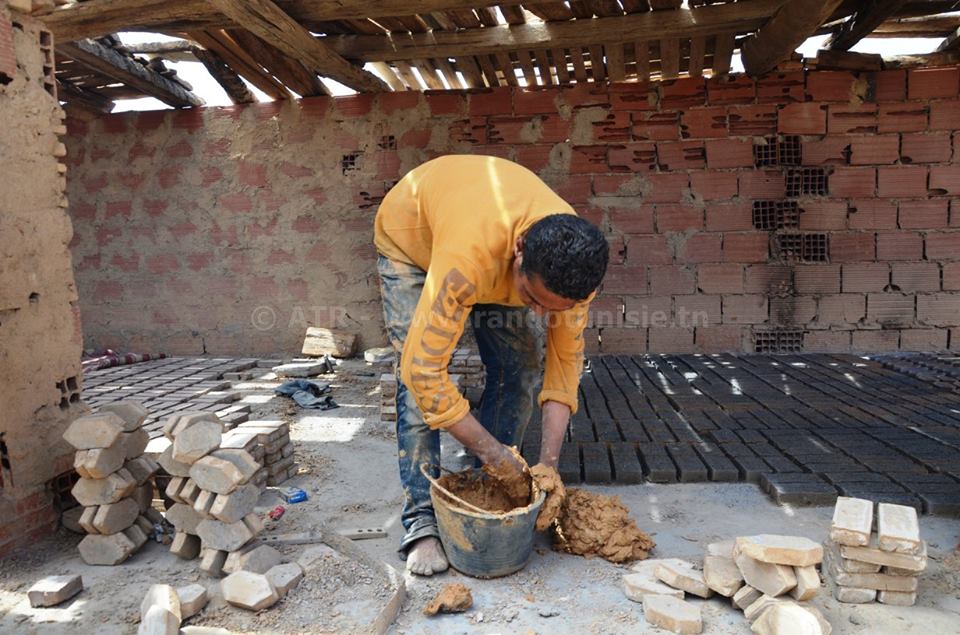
[[451, 499]]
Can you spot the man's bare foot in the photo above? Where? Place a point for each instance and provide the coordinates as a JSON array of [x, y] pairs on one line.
[[426, 557]]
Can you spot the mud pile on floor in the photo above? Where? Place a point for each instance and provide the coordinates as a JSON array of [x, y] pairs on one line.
[[596, 525], [584, 523]]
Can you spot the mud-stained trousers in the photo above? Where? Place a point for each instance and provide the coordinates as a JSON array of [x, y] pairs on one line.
[[510, 342]]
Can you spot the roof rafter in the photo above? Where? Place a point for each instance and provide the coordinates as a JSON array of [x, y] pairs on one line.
[[864, 20], [109, 62], [783, 33], [709, 20], [267, 21], [96, 18]]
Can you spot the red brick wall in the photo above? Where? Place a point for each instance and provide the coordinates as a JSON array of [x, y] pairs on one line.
[[812, 211]]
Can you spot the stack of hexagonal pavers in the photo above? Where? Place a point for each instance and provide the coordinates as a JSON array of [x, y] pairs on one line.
[[115, 488], [212, 490]]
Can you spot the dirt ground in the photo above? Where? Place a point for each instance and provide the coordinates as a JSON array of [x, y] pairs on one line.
[[349, 472]]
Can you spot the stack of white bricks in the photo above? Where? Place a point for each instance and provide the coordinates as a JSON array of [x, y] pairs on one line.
[[753, 571], [388, 397], [882, 565], [212, 488], [115, 488], [466, 369], [273, 437]]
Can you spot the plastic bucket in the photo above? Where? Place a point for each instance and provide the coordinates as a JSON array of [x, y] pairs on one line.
[[484, 545]]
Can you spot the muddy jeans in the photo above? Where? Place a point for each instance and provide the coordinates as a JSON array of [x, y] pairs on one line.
[[509, 343]]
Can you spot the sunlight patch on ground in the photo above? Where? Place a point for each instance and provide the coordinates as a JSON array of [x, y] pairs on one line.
[[328, 429]]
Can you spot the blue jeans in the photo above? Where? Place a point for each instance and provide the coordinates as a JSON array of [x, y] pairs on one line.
[[510, 344]]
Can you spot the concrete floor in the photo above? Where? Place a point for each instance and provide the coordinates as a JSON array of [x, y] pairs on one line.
[[351, 477]]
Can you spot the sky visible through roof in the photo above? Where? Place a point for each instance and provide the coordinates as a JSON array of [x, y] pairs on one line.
[[205, 87]]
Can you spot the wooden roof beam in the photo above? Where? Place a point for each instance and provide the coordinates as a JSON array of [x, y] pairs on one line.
[[783, 33], [267, 21], [291, 72], [859, 25], [738, 17], [112, 63], [228, 79], [95, 18]]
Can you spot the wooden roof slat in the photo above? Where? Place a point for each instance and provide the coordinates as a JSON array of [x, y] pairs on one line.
[[605, 8], [616, 66], [268, 22], [240, 61], [597, 67], [76, 96], [512, 13], [524, 58], [670, 58], [579, 68], [413, 23], [489, 70], [487, 16], [388, 75], [365, 27], [560, 65], [405, 71], [472, 75], [862, 22], [741, 17], [289, 71], [723, 53], [783, 33], [228, 79], [506, 68], [428, 74], [464, 18], [938, 26], [549, 11], [126, 70], [641, 55], [581, 10], [448, 72], [698, 48], [444, 21], [635, 6], [543, 65]]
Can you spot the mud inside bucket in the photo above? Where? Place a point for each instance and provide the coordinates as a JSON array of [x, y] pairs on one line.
[[479, 543]]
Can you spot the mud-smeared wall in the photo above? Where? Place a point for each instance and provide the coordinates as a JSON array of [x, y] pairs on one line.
[[39, 318], [801, 211]]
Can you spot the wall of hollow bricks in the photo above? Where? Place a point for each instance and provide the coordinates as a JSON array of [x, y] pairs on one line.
[[811, 211]]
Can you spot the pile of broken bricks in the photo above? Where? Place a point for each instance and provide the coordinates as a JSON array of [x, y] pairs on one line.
[[115, 489], [752, 570], [882, 565], [212, 489]]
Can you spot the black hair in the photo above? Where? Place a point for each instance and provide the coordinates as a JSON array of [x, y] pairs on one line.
[[568, 253]]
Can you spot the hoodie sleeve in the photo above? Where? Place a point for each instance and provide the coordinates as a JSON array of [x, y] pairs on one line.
[[564, 356], [449, 293]]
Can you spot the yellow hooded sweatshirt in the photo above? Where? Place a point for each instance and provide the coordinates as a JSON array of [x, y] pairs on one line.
[[457, 218]]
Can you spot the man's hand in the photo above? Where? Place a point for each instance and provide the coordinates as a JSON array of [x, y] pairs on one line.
[[555, 418], [498, 460]]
